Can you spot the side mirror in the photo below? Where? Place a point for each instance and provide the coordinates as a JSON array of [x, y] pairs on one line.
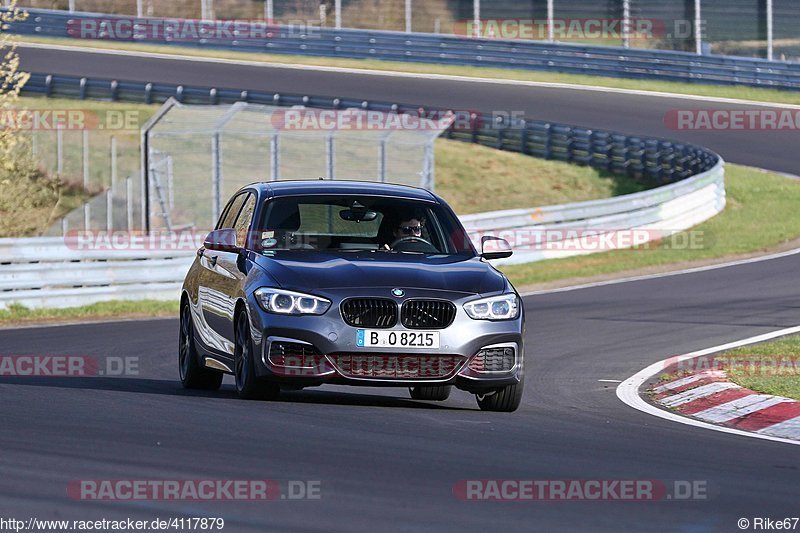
[[495, 248], [221, 240]]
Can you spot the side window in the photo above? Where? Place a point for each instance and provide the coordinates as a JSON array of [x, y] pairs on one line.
[[243, 221], [229, 215]]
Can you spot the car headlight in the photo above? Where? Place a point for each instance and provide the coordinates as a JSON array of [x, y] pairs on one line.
[[291, 303], [503, 307]]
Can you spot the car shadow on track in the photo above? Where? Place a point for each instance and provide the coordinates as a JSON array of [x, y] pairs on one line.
[[227, 392]]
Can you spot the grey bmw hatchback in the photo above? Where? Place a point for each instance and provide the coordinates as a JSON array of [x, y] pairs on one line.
[[306, 283]]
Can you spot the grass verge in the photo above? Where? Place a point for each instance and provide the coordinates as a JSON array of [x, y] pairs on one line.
[[761, 214], [17, 314], [770, 368], [737, 92]]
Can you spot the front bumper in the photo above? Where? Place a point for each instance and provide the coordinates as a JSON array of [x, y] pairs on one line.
[[336, 354]]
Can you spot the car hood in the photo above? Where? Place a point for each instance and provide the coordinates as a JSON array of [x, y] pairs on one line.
[[309, 270]]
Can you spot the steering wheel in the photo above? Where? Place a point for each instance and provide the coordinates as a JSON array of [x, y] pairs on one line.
[[410, 238]]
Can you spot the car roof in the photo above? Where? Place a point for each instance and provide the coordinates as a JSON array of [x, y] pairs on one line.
[[365, 188]]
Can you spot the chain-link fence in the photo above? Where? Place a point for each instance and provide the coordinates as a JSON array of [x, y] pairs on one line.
[[198, 156], [105, 164]]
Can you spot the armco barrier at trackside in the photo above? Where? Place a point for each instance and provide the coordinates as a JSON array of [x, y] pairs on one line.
[[454, 50]]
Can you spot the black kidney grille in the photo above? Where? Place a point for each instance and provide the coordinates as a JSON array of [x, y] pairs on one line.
[[427, 314], [369, 312]]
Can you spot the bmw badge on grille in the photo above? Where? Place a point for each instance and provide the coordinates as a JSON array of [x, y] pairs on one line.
[[398, 292]]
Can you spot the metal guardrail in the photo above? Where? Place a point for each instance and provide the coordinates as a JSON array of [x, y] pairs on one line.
[[455, 50], [692, 190], [562, 229], [47, 272]]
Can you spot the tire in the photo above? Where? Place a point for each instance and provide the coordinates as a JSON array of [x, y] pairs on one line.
[[193, 374], [505, 400], [436, 393], [248, 385]]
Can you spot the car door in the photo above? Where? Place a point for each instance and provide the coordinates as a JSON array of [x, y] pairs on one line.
[[220, 279], [225, 275]]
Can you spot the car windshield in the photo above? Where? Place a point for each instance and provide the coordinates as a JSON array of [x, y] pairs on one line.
[[357, 223]]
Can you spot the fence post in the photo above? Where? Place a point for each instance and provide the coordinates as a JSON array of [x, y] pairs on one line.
[[113, 163], [770, 37], [330, 156], [428, 177], [269, 12], [274, 158], [551, 35], [139, 8], [626, 23], [216, 177], [382, 160], [129, 201], [408, 16], [337, 7], [476, 18], [60, 151], [86, 159], [698, 27], [109, 210]]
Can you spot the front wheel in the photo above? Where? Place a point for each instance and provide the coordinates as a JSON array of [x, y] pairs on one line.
[[193, 374], [504, 400], [248, 385]]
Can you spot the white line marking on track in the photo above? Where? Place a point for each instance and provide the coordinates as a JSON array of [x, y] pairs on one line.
[[401, 74], [628, 390], [610, 380], [665, 274]]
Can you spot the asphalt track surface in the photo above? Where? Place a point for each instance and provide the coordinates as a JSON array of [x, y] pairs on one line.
[[387, 462]]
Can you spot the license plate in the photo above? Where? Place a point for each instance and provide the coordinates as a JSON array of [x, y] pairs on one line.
[[367, 338]]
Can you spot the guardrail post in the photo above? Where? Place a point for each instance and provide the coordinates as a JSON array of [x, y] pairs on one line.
[[551, 34], [114, 89], [148, 93], [83, 89], [408, 16], [48, 85], [337, 7]]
